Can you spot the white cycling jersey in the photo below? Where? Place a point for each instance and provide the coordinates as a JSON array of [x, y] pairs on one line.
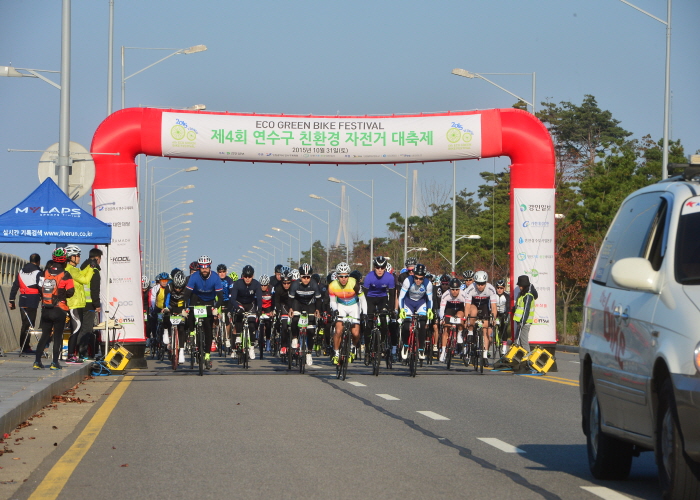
[[474, 296]]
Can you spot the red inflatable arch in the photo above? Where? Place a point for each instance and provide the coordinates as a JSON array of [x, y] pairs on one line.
[[165, 132]]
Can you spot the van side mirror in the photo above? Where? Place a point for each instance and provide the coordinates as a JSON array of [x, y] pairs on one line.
[[635, 273]]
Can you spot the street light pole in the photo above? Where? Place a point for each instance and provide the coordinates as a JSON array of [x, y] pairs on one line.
[[470, 74], [347, 244], [283, 243], [63, 162], [290, 242], [405, 217], [311, 237], [371, 197], [328, 235]]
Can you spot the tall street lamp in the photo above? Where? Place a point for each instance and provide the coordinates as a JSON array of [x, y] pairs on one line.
[[267, 261], [371, 197], [667, 79], [298, 238], [283, 243], [268, 255], [347, 212], [327, 222], [311, 238], [405, 217], [190, 50], [469, 74], [274, 250]]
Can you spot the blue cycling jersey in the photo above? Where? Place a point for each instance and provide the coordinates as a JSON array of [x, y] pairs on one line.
[[226, 284], [378, 287], [206, 290]]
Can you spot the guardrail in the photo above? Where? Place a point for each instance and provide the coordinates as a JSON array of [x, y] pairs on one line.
[[9, 267]]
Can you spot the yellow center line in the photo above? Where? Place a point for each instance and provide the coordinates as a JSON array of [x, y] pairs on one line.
[[562, 381], [58, 476]]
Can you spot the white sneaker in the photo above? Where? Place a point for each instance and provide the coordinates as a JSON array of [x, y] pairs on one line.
[[295, 343], [504, 350], [166, 337], [181, 357], [309, 359], [238, 339], [228, 343], [251, 352], [421, 354], [404, 352], [234, 353], [443, 355]]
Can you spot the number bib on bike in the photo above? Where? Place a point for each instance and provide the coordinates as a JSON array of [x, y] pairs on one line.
[[175, 320], [200, 312], [303, 321]]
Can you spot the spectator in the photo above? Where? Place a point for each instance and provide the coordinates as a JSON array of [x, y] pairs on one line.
[[524, 313], [27, 282], [56, 288], [76, 303], [93, 307]]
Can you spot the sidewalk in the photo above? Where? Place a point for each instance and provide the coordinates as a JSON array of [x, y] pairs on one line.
[[24, 391]]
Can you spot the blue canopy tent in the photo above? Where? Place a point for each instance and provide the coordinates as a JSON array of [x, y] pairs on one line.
[[48, 215]]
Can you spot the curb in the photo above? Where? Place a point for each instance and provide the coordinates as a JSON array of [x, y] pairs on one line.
[[568, 348], [21, 406]]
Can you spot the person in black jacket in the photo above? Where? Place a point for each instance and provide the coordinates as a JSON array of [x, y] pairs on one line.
[[27, 282], [93, 307]]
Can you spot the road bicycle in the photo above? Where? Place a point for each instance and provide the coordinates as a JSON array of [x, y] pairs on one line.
[[175, 321], [451, 348], [265, 324], [475, 347], [412, 346], [302, 349], [220, 337], [200, 316], [341, 369], [499, 333], [378, 344], [243, 342]]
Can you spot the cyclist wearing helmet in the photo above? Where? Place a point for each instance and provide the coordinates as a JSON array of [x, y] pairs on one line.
[[234, 276], [416, 297], [145, 294], [295, 275], [283, 304], [380, 290], [407, 271], [468, 279], [503, 307], [76, 303], [268, 312], [176, 305], [204, 289], [481, 302], [348, 301], [159, 296], [246, 297], [226, 285], [56, 287], [277, 276], [306, 296], [453, 304]]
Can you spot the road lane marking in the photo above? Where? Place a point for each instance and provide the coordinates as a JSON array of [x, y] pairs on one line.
[[576, 362], [58, 476], [606, 493], [388, 397], [433, 415], [556, 380], [357, 384], [501, 445]]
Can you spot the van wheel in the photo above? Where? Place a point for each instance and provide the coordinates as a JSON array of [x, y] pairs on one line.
[[608, 457], [679, 475]]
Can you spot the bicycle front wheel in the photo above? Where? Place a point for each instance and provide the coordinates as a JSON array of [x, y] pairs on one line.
[[175, 349], [376, 351], [200, 346]]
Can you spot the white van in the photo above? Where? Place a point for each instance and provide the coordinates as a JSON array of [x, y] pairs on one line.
[[640, 342]]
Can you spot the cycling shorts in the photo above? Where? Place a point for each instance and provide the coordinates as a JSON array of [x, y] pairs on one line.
[[349, 311], [452, 312], [415, 306]]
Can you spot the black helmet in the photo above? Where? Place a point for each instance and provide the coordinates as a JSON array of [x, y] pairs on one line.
[[445, 279], [305, 270], [179, 279], [221, 267], [468, 275], [357, 275], [278, 268], [500, 283], [455, 283], [411, 261], [172, 273], [194, 265], [316, 278], [380, 262], [329, 278], [419, 270], [247, 271]]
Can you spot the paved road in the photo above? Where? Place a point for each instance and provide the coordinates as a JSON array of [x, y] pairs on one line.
[[275, 434]]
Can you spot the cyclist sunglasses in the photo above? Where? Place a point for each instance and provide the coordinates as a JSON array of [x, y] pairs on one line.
[[204, 266], [341, 276], [308, 276]]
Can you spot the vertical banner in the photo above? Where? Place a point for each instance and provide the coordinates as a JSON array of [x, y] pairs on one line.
[[533, 246], [119, 208]]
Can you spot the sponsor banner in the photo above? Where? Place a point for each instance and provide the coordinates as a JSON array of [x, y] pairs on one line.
[[691, 206], [119, 208], [307, 139], [533, 247]]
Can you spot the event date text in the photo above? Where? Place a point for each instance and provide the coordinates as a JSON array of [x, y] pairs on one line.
[[319, 150]]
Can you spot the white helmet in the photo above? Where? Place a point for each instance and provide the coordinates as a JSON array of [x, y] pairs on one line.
[[72, 250], [264, 280], [481, 277], [342, 268], [295, 274]]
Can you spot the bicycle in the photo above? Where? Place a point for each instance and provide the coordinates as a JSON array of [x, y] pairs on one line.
[[378, 344], [221, 334], [265, 322], [243, 342], [175, 321], [200, 315], [341, 369], [475, 349], [412, 346], [303, 347], [498, 335], [451, 347], [428, 347]]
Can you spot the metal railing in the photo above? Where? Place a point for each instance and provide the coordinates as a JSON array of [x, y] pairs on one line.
[[9, 267]]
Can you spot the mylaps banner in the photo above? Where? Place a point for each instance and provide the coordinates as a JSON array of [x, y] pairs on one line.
[[121, 290], [309, 139], [533, 246]]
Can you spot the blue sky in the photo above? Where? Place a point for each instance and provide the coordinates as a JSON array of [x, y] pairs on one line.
[[351, 58]]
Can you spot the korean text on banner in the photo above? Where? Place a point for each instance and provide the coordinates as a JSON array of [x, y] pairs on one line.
[[533, 234], [119, 208], [321, 140]]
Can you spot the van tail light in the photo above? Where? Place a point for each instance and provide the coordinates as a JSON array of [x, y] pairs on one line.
[[696, 358]]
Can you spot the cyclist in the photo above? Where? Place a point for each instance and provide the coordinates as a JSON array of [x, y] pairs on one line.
[[277, 277], [380, 290], [145, 293], [306, 296], [246, 297], [176, 305], [348, 301], [503, 307], [481, 302], [283, 305], [409, 266], [76, 303], [204, 289], [268, 310], [452, 303], [416, 297], [295, 275], [159, 296], [468, 281], [226, 285]]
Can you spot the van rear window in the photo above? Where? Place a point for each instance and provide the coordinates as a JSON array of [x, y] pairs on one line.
[[688, 247]]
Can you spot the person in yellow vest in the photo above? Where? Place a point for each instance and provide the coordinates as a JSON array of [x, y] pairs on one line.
[[76, 303], [524, 314]]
